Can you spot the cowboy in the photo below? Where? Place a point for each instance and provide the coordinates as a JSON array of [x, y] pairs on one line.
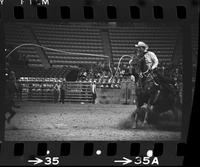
[[144, 56], [150, 58], [151, 61]]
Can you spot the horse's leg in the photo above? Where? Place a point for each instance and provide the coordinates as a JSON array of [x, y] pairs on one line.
[[177, 108], [145, 122], [135, 118], [135, 114], [176, 114], [147, 108]]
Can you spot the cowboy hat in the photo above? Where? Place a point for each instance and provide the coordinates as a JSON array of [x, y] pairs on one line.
[[142, 44]]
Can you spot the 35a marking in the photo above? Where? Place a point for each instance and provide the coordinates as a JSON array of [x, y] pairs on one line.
[[146, 161], [140, 160]]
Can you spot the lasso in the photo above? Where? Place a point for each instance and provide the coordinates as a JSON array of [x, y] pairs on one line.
[[118, 67], [55, 50]]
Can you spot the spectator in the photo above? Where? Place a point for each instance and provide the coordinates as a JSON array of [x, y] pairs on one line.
[[59, 86], [94, 94], [10, 91], [55, 93], [12, 79], [62, 94]]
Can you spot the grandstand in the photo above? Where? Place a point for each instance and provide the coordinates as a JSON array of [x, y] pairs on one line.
[[69, 37], [88, 38]]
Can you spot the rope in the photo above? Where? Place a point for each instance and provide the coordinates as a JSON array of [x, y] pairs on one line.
[[119, 65], [140, 59], [55, 50]]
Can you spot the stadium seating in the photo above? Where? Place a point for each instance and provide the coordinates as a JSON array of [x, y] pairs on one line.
[[195, 35], [82, 38], [73, 38], [160, 38], [40, 72]]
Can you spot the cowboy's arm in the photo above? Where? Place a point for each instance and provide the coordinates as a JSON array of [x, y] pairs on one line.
[[155, 61]]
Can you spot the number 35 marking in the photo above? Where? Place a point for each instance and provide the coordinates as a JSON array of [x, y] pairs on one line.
[[51, 161]]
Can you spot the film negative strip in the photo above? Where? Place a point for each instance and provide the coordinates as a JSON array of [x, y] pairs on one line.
[[97, 82]]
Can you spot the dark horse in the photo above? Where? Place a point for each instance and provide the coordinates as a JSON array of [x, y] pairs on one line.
[[155, 96], [166, 99]]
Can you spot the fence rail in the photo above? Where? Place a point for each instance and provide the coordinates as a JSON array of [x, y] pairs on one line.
[[74, 91], [44, 91]]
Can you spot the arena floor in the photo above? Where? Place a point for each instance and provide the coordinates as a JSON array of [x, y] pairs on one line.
[[36, 121]]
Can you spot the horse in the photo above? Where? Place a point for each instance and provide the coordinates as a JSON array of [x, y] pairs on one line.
[[159, 99], [167, 99], [147, 92], [154, 97]]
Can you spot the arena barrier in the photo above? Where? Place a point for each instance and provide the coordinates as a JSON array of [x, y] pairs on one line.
[[38, 90], [43, 91], [124, 95]]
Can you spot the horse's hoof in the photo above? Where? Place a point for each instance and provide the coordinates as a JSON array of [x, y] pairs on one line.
[[145, 124], [135, 126]]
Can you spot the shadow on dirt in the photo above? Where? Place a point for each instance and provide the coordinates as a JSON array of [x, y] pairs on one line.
[[162, 122]]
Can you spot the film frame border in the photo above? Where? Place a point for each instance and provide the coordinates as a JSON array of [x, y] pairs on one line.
[[85, 153], [98, 10], [146, 10]]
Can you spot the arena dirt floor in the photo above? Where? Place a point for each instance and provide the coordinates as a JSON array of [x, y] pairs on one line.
[[37, 121]]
